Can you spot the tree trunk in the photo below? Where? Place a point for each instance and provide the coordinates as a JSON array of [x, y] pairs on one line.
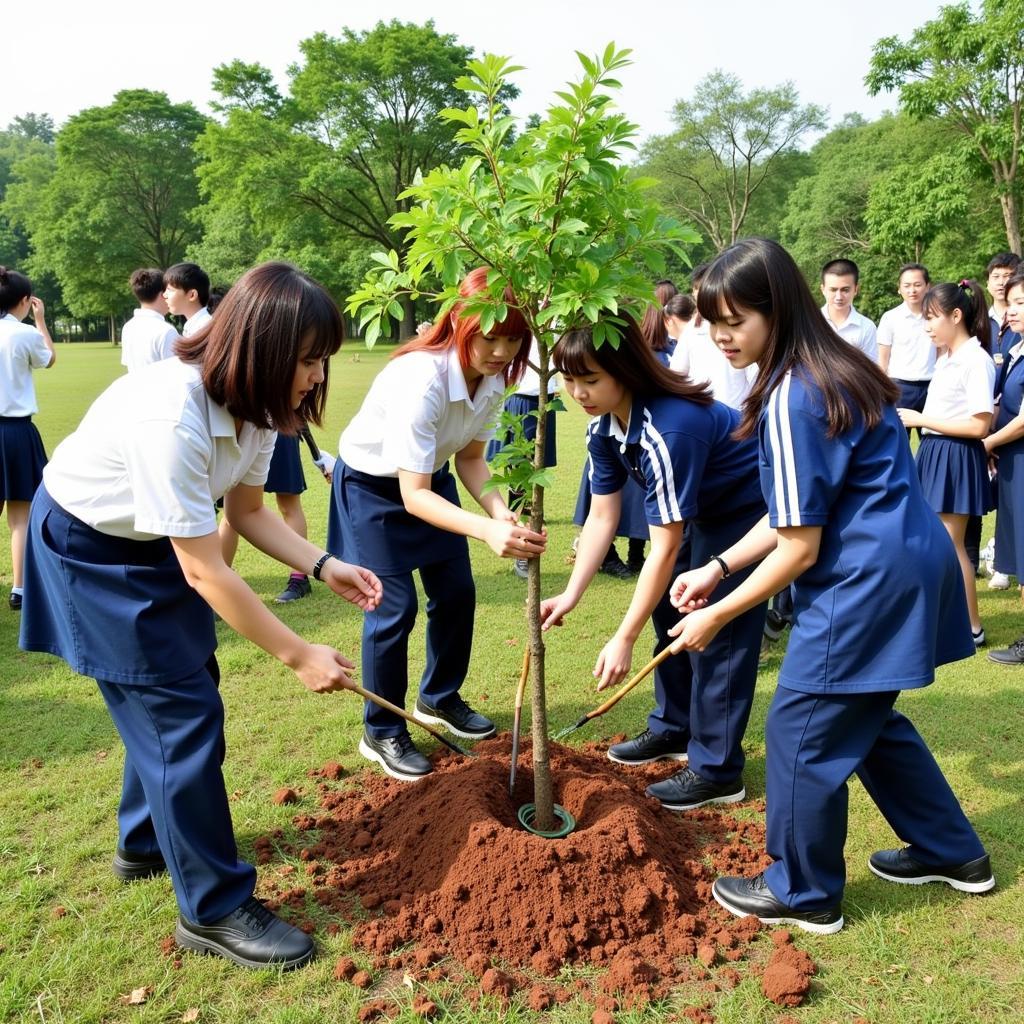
[[408, 329], [1011, 217], [543, 790]]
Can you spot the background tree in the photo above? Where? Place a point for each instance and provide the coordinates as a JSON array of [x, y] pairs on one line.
[[120, 195], [725, 149], [559, 219], [968, 70], [324, 168]]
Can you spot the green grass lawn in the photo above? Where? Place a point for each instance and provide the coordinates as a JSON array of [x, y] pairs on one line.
[[907, 954]]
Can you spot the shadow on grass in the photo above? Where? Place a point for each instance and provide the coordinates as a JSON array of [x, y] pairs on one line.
[[54, 727]]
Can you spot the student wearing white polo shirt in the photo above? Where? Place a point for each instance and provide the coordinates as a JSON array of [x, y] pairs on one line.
[[697, 356], [905, 351], [187, 291], [123, 571], [22, 456], [147, 337], [395, 507], [951, 461], [840, 283]]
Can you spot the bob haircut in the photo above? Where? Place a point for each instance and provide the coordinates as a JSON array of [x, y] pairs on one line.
[[758, 275], [14, 288], [458, 328], [633, 364], [249, 351], [1015, 281], [966, 296]]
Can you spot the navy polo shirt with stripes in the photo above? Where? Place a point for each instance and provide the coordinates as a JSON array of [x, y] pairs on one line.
[[682, 454]]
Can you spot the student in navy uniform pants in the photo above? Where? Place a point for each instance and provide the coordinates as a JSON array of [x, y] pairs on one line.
[[395, 507], [1006, 445], [878, 599], [957, 414], [124, 566], [22, 456], [675, 442]]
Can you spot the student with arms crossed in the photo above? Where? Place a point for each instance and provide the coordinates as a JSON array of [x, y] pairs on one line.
[[701, 493], [879, 602], [124, 566], [395, 507]]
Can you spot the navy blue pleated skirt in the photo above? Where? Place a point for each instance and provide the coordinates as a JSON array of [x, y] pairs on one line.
[[113, 609], [22, 458], [368, 524], [527, 405], [632, 519], [285, 474], [954, 475]]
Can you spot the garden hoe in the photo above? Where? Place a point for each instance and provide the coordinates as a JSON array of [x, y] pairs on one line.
[[402, 713], [615, 698], [520, 690]]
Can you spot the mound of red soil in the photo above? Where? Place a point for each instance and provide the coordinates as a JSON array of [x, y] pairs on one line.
[[787, 977], [443, 863]]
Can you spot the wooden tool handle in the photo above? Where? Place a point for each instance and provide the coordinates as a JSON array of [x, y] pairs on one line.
[[625, 688]]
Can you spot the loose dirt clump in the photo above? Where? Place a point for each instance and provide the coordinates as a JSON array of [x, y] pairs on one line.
[[444, 866], [787, 977]]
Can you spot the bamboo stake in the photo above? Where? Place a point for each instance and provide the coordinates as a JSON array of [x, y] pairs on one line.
[[520, 691]]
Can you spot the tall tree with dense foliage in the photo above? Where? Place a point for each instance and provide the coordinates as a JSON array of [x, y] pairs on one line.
[[121, 195], [328, 162], [968, 69], [725, 148], [561, 222]]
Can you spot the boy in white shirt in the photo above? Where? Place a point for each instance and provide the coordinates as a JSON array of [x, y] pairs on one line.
[[187, 291], [840, 283], [147, 337], [905, 351]]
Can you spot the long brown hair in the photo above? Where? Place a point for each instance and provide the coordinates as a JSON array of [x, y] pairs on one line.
[[757, 274], [250, 348], [652, 327], [632, 363], [457, 328]]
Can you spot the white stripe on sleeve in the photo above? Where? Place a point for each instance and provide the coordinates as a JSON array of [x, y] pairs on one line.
[[664, 479]]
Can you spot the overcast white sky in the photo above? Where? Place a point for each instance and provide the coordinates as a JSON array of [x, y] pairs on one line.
[[71, 55]]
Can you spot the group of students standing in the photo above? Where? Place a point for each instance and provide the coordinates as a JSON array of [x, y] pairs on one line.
[[809, 485]]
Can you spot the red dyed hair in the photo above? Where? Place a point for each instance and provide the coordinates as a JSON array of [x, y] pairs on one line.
[[457, 328]]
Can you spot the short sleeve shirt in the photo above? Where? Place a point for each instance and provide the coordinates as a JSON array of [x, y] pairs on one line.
[[697, 356], [683, 456], [912, 354], [417, 414], [22, 350], [146, 338], [883, 604], [962, 385], [152, 455], [858, 330]]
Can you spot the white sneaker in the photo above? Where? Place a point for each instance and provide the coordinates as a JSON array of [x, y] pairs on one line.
[[999, 581]]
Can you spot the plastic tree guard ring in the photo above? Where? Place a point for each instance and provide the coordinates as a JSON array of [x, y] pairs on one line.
[[528, 811]]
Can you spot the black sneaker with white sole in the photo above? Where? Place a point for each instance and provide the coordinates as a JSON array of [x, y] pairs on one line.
[[457, 717], [647, 747], [686, 790], [397, 755], [899, 866], [743, 896]]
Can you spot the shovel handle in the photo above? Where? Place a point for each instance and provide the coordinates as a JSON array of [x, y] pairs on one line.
[[523, 677], [383, 702], [626, 687]]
